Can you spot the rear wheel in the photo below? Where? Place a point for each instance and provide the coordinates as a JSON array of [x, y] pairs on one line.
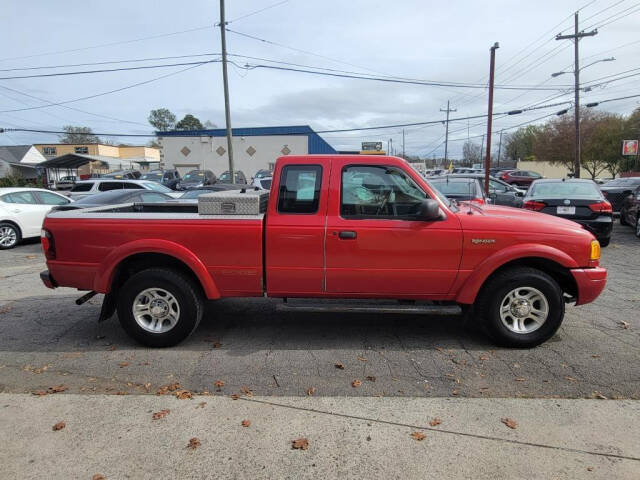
[[521, 307], [638, 226], [159, 307], [623, 220], [9, 235], [604, 241]]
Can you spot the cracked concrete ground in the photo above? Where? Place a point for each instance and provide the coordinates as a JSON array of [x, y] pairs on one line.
[[45, 339]]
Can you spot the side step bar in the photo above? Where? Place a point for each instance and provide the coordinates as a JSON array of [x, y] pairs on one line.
[[360, 308]]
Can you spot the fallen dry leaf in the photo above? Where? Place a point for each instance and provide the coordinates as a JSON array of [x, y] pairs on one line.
[[246, 390], [98, 476], [363, 359], [589, 469], [246, 423], [183, 394], [124, 364], [201, 405], [509, 422], [455, 392], [435, 422], [623, 324], [300, 444], [57, 389], [30, 257], [371, 378], [193, 443], [595, 356], [59, 426], [234, 396], [160, 414], [571, 379], [219, 384], [484, 357], [520, 379], [311, 390], [112, 348], [339, 366], [164, 389], [39, 393], [122, 392], [147, 386], [598, 395], [356, 383], [217, 345], [419, 436]]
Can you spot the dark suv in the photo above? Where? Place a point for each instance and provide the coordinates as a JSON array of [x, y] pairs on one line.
[[500, 193], [168, 178], [196, 178], [520, 177], [630, 211]]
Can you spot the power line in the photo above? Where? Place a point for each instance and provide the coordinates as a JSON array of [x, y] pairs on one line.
[[111, 44], [256, 12], [105, 70], [55, 104]]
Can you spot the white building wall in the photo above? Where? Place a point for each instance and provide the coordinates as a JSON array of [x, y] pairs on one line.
[[33, 157], [203, 152]]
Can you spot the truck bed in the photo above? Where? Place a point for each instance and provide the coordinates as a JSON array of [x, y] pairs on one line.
[[90, 241]]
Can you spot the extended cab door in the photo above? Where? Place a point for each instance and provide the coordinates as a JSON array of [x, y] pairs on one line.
[[294, 233], [375, 245]]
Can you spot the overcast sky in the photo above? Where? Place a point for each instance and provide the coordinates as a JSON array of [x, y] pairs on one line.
[[427, 40]]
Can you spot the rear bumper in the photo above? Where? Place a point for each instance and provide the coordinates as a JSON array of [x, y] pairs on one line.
[[590, 282], [47, 279], [600, 227]]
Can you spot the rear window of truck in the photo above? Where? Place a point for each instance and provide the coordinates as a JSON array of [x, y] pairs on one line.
[[300, 189]]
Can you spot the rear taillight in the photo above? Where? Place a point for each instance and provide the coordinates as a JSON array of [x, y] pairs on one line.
[[504, 176], [479, 201], [533, 205], [48, 246], [601, 207]]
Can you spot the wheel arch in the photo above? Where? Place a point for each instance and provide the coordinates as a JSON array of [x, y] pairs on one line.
[[549, 260], [132, 258], [15, 224]]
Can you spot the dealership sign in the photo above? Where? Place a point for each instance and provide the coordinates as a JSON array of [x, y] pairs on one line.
[[372, 146], [630, 147]]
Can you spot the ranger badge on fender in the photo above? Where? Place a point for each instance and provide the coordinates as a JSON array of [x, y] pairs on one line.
[[483, 241]]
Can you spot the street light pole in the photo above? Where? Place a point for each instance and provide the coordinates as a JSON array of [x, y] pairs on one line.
[[227, 108], [487, 161], [576, 39]]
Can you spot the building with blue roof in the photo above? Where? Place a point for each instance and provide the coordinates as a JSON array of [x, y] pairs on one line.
[[253, 148]]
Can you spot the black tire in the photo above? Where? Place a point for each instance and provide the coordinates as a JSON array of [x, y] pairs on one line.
[[604, 241], [495, 291], [623, 221], [186, 294], [638, 226], [9, 229]]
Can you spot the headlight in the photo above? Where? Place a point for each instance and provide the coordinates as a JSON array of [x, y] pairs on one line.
[[595, 250]]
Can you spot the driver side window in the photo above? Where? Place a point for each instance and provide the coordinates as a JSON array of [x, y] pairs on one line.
[[379, 192]]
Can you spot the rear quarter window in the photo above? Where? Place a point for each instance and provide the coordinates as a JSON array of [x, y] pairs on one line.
[[82, 187], [299, 190]]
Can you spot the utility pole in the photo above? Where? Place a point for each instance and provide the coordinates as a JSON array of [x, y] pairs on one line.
[[227, 109], [446, 134], [403, 143], [391, 146], [487, 160], [500, 147], [576, 39]]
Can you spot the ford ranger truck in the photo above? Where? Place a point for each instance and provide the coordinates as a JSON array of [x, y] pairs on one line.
[[349, 231]]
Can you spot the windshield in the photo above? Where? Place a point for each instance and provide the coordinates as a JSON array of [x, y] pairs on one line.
[[193, 177], [105, 198], [157, 187], [586, 190], [156, 177], [456, 187], [263, 173], [224, 177]]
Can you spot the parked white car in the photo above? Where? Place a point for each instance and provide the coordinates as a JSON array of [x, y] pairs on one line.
[[85, 188], [22, 211]]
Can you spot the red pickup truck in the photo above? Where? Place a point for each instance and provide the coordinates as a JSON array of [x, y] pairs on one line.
[[363, 229]]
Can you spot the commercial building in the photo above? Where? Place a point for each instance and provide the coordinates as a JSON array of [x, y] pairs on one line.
[[253, 148]]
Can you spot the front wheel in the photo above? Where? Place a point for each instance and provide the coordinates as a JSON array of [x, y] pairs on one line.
[[521, 307], [159, 307], [604, 241], [623, 219]]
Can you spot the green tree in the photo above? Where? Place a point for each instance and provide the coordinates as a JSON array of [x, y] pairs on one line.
[[162, 119], [471, 153], [601, 151], [78, 135], [519, 145], [189, 122]]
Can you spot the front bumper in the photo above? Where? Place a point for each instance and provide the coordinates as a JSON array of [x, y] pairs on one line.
[[590, 282], [47, 279]]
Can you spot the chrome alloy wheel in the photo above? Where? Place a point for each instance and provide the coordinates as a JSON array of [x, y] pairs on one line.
[[8, 236], [156, 310], [524, 310]]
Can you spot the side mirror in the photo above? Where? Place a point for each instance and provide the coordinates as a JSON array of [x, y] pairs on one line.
[[429, 210]]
